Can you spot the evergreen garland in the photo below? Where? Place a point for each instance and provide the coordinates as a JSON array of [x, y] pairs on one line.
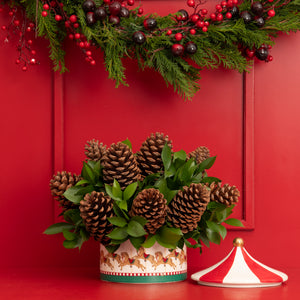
[[230, 42]]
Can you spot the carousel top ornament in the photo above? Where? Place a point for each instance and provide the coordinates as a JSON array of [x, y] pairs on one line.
[[178, 46]]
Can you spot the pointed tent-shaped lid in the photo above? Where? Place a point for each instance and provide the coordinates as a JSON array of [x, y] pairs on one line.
[[239, 269]]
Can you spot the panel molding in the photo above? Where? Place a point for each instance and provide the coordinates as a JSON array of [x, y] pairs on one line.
[[247, 155]]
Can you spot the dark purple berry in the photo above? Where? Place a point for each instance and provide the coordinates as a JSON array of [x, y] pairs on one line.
[[114, 20], [124, 12], [190, 48], [184, 14], [260, 22], [257, 8], [177, 49], [150, 23], [235, 12], [88, 6], [90, 19], [262, 53], [115, 8], [100, 13], [246, 16], [139, 37]]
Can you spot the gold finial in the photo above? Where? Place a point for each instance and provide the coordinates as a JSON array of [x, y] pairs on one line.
[[238, 242]]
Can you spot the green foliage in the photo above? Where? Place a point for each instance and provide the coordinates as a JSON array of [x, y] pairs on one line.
[[218, 47]]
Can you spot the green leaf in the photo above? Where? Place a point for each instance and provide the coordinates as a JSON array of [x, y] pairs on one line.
[[112, 248], [70, 244], [222, 231], [81, 182], [166, 156], [207, 164], [180, 155], [140, 220], [118, 242], [87, 173], [168, 237], [128, 143], [58, 228], [130, 190], [84, 234], [203, 237], [213, 236], [213, 226], [72, 216], [137, 242], [234, 222], [71, 194], [135, 229], [123, 205], [150, 241], [116, 190], [119, 212], [69, 236], [118, 233], [210, 180], [109, 191], [118, 221]]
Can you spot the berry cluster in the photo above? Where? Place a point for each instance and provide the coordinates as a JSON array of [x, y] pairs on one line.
[[25, 31]]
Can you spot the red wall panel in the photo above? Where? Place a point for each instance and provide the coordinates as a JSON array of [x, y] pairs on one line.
[[46, 120]]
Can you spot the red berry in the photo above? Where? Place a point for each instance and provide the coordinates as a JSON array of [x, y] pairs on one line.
[[269, 58], [53, 3], [270, 1], [76, 25], [213, 16], [24, 68], [31, 24], [223, 3], [58, 18], [16, 22], [106, 1], [88, 53], [46, 6], [81, 44], [140, 11], [219, 8], [199, 24], [177, 50], [77, 36], [195, 18], [192, 31], [250, 53], [67, 24], [130, 2], [93, 62], [269, 47], [271, 13], [204, 29], [71, 36], [3, 27], [28, 29], [29, 42], [169, 32], [204, 12], [235, 2], [44, 13], [18, 61], [179, 17], [33, 52], [178, 36], [229, 3], [219, 17], [191, 3], [33, 61], [206, 23], [73, 18], [228, 15], [87, 44]]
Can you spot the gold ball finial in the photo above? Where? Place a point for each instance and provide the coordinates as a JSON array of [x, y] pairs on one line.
[[238, 242]]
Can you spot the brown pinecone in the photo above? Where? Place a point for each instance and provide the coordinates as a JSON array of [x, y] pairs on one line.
[[150, 204], [149, 156], [187, 207], [60, 182], [225, 194], [94, 150], [95, 208], [119, 163], [200, 154]]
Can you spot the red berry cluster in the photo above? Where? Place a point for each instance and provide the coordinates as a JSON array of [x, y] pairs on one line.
[[25, 31]]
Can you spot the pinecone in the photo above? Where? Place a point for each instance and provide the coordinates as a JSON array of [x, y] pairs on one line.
[[200, 154], [95, 208], [225, 194], [149, 156], [119, 163], [150, 204], [94, 150], [60, 182], [187, 207]]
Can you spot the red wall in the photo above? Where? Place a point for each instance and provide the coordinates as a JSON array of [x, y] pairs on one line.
[[44, 126]]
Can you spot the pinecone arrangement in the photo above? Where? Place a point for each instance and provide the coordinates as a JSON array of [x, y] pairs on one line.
[[153, 193], [60, 182]]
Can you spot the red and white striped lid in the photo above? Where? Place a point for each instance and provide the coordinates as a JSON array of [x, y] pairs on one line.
[[239, 269]]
